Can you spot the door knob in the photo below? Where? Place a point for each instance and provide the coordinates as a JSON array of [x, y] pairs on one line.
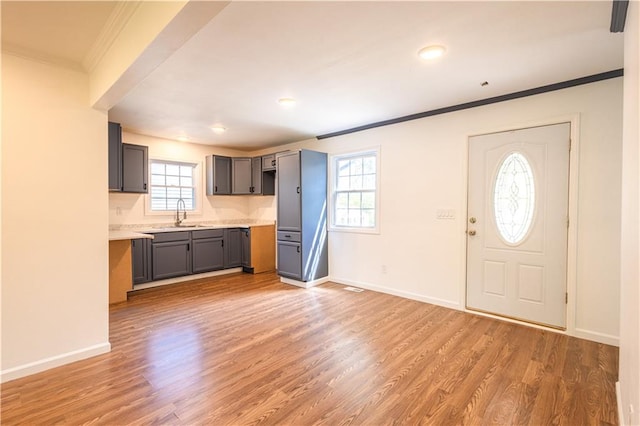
[[472, 220], [472, 232]]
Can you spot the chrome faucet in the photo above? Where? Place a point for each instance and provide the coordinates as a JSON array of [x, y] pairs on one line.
[[184, 212]]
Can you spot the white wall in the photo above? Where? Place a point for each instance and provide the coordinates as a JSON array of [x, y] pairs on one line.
[[629, 373], [54, 219], [423, 168], [129, 209]]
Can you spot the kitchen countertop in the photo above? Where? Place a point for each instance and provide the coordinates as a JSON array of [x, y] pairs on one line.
[[127, 235], [145, 231]]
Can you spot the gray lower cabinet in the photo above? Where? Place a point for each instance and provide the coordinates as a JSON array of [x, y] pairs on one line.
[[171, 254], [180, 253], [290, 260], [232, 248], [135, 165], [302, 215], [218, 175], [141, 260], [245, 236], [207, 250]]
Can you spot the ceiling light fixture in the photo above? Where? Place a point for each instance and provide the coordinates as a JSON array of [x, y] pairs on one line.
[[431, 52], [287, 102], [218, 129]]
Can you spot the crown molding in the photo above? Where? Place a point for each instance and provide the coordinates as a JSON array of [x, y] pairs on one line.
[[41, 57], [118, 19]]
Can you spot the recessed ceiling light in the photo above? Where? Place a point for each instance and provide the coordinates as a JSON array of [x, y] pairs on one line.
[[218, 129], [431, 52], [183, 138], [287, 102]]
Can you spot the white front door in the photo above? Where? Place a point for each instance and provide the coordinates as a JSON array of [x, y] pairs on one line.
[[517, 223]]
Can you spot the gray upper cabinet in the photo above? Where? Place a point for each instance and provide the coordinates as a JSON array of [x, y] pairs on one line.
[[115, 157], [234, 175], [256, 175], [241, 175], [135, 164], [288, 201], [218, 175], [268, 162], [246, 176], [302, 215]]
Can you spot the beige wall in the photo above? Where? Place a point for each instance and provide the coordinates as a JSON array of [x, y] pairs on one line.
[[423, 168], [54, 219], [629, 391]]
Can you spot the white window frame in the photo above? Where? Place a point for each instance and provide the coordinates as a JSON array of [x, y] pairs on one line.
[[333, 180], [197, 183]]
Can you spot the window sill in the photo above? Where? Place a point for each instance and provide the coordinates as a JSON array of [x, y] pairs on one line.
[[371, 231]]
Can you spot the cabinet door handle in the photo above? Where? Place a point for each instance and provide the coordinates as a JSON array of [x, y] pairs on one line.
[[215, 188], [144, 186], [298, 190], [188, 247], [222, 243], [298, 249], [273, 162]]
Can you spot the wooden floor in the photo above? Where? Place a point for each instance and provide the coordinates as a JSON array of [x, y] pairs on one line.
[[246, 349]]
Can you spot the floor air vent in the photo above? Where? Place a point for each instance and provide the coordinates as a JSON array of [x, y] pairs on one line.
[[354, 289]]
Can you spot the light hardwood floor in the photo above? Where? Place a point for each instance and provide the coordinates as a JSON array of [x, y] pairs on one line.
[[246, 349]]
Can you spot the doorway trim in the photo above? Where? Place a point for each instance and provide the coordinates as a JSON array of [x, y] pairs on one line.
[[572, 236]]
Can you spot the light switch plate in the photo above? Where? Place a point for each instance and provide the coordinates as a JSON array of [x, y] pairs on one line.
[[445, 214]]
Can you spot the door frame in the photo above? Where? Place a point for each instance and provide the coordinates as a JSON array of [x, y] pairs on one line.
[[572, 236]]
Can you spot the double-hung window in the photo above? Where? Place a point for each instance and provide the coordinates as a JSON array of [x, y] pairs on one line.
[[354, 195], [171, 181]]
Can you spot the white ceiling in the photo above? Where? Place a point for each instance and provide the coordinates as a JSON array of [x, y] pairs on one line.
[[353, 63]]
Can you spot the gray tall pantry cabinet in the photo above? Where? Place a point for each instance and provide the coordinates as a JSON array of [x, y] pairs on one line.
[[302, 215]]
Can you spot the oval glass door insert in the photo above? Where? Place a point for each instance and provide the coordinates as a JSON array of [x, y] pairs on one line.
[[514, 198]]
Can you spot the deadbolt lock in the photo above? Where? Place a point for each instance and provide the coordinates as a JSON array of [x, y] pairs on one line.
[[472, 220]]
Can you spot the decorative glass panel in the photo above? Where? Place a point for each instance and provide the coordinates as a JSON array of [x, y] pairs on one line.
[[514, 198]]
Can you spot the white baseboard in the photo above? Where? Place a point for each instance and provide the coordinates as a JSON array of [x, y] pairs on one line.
[[595, 336], [405, 294], [54, 361], [578, 332], [303, 284], [621, 419]]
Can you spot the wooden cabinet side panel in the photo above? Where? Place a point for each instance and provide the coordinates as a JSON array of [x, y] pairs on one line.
[[263, 248], [120, 277]]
